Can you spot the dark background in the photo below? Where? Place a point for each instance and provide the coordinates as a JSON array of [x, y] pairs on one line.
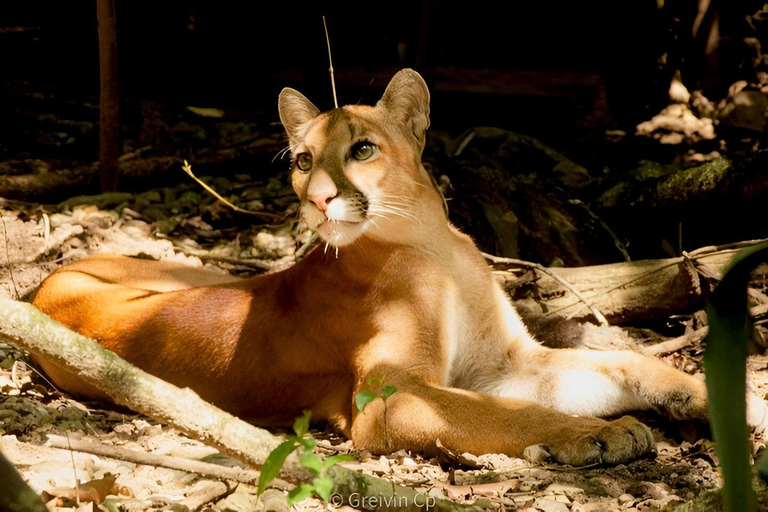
[[565, 73], [239, 54]]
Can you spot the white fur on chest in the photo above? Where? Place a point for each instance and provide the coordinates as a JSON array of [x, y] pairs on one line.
[[456, 325]]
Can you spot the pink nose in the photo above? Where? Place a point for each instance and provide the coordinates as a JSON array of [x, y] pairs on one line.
[[321, 200]]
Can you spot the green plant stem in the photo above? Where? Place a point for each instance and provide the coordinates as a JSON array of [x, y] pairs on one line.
[[726, 371]]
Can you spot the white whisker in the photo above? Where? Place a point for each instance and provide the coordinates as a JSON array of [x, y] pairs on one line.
[[281, 153], [383, 210]]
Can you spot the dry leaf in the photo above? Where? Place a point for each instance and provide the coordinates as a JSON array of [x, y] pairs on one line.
[[491, 490], [457, 460], [94, 491]]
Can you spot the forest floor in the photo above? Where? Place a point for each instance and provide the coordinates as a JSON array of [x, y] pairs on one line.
[[174, 219], [36, 239]]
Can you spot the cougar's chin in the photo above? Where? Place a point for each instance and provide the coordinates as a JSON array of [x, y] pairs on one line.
[[339, 233], [338, 226]]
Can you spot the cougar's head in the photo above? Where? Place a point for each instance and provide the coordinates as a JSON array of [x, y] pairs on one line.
[[357, 169]]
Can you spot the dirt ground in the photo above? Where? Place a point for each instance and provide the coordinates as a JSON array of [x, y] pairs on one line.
[[168, 223]]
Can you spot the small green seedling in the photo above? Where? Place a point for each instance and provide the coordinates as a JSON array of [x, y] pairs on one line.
[[322, 484], [367, 396]]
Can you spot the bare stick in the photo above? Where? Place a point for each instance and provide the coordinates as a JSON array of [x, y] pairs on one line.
[[188, 169], [247, 476], [675, 344], [330, 61], [527, 264]]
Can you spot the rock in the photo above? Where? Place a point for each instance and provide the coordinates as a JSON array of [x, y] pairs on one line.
[[564, 489], [549, 505], [603, 506], [746, 109], [100, 219], [243, 502], [625, 499]]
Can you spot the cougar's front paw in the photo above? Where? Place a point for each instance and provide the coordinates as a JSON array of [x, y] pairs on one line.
[[613, 442], [686, 402]]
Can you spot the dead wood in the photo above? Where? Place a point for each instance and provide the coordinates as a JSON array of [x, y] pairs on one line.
[[624, 292], [59, 182], [247, 476], [62, 183], [675, 344], [27, 328], [109, 100]]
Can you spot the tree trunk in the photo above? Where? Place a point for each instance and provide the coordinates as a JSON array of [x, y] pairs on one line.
[[109, 101]]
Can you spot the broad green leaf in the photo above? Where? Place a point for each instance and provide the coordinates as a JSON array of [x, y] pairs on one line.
[[363, 398], [388, 390], [300, 493], [301, 425], [335, 459], [308, 444], [725, 369], [274, 462], [312, 462], [323, 487]]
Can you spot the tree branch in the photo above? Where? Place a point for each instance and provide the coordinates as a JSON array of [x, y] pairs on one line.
[[26, 327]]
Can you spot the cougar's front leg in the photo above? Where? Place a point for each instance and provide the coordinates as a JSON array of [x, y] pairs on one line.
[[595, 383], [418, 414]]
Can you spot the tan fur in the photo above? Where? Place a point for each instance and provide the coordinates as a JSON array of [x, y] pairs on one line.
[[400, 294]]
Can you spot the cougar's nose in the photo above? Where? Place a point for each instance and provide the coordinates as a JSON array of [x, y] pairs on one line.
[[321, 189], [322, 200]]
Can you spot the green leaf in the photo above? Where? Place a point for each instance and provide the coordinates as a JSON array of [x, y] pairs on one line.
[[300, 493], [388, 390], [301, 425], [323, 487], [335, 459], [312, 462], [363, 398], [725, 368], [308, 444], [763, 467], [274, 462]]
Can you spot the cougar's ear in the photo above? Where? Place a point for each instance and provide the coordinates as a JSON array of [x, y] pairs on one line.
[[295, 111], [407, 100]]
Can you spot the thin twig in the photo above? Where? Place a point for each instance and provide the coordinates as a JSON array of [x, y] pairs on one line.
[[675, 344], [188, 169], [8, 258], [330, 62], [597, 314], [207, 256], [248, 476]]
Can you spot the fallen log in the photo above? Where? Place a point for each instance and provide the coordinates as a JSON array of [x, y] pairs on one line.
[[25, 327], [622, 292]]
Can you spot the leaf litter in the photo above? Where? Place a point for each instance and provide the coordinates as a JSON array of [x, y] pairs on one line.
[[183, 224]]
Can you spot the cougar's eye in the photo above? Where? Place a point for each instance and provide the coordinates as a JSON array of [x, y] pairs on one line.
[[304, 161], [363, 150]]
